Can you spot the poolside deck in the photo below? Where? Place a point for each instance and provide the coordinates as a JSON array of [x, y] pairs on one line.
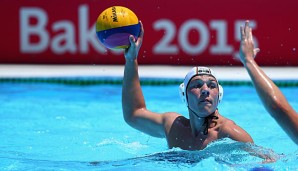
[[160, 71]]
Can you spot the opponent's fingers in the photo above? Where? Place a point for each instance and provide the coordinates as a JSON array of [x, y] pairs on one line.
[[256, 51], [247, 29], [242, 33], [250, 34]]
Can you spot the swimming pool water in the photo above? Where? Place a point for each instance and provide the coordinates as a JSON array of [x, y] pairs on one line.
[[63, 127]]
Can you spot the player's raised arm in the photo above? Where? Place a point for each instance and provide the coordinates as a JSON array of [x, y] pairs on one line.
[[272, 98], [133, 102]]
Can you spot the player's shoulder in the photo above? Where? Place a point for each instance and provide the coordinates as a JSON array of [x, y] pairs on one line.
[[171, 117], [171, 114], [226, 124]]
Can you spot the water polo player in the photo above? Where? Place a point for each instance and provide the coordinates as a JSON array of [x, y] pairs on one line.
[[202, 94]]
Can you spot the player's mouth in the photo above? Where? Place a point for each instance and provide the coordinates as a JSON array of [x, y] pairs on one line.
[[205, 101]]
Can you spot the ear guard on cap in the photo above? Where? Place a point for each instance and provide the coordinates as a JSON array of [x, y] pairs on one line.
[[183, 94], [220, 93]]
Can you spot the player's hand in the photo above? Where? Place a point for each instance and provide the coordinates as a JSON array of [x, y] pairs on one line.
[[247, 49], [131, 53]]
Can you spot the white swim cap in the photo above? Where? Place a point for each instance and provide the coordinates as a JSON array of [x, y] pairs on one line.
[[195, 71]]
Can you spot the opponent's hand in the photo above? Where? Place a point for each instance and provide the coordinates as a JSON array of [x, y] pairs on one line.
[[247, 49], [131, 53]]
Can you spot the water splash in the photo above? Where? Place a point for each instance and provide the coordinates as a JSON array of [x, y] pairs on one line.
[[130, 147], [224, 154]]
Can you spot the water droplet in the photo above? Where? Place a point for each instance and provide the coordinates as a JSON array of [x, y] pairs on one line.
[[294, 49], [158, 7], [281, 45], [145, 51], [289, 29]]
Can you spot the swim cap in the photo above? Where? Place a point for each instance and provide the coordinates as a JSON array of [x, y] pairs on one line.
[[195, 71]]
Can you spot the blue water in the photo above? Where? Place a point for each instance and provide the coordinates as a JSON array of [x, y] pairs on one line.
[[62, 127]]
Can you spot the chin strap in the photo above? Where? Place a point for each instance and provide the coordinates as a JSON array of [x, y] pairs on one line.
[[206, 121]]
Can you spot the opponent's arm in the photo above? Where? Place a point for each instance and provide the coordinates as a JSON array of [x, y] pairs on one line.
[[133, 103], [270, 95]]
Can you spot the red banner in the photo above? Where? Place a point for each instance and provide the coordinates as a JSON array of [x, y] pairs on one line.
[[189, 32]]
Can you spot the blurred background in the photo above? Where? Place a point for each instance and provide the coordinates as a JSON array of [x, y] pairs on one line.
[[191, 32]]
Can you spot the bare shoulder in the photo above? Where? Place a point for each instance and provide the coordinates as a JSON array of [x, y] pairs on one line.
[[228, 125], [230, 129], [170, 118], [175, 124]]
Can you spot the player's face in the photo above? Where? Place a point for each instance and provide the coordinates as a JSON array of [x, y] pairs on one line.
[[202, 95]]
